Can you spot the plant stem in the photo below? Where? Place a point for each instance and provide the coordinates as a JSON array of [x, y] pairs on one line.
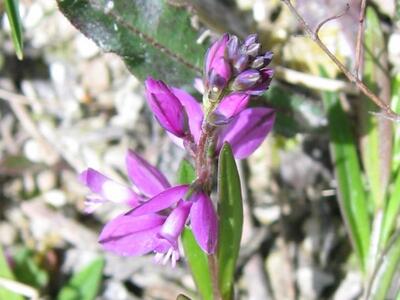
[[213, 266]]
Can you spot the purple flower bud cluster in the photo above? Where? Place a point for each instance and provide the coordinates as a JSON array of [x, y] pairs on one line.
[[159, 212], [237, 66]]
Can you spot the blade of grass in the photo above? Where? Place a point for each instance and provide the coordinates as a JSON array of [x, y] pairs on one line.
[[5, 272], [352, 199], [16, 26], [230, 211], [376, 133], [386, 273]]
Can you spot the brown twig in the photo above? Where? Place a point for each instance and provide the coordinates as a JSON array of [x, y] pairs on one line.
[[360, 38], [387, 112]]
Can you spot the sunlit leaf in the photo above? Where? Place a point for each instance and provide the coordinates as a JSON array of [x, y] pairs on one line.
[[153, 37], [352, 198], [16, 26], [6, 273], [230, 211], [84, 285]]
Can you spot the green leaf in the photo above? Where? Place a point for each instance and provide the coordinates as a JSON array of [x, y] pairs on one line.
[[6, 273], [153, 37], [198, 263], [390, 214], [186, 173], [16, 26], [395, 103], [27, 270], [384, 283], [230, 210], [392, 205], [376, 133], [84, 285], [352, 199]]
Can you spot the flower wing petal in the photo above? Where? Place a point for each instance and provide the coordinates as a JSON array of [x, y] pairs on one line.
[[247, 131], [204, 222], [161, 201], [146, 177], [127, 235], [107, 188]]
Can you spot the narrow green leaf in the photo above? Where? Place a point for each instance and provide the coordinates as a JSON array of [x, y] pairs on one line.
[[376, 133], [27, 270], [390, 214], [230, 211], [16, 26], [384, 283], [352, 199], [395, 103], [392, 205], [186, 173], [84, 285], [196, 258], [198, 263], [6, 273], [153, 37]]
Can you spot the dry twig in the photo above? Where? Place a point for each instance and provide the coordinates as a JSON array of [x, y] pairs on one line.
[[360, 38], [387, 112]]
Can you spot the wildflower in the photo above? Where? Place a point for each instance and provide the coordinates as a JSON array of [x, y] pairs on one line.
[[147, 180], [243, 128], [144, 229], [166, 107], [234, 66]]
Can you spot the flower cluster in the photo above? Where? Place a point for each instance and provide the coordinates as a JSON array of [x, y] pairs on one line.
[[233, 72]]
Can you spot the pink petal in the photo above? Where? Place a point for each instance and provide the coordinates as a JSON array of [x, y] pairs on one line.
[[176, 221], [165, 106], [107, 188], [247, 131], [216, 51], [149, 180], [232, 104], [204, 223], [193, 110], [161, 201], [126, 235]]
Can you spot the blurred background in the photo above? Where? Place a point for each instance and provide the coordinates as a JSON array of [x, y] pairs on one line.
[[68, 105]]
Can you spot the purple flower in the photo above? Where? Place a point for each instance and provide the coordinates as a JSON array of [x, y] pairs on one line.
[[236, 66], [147, 180], [217, 70], [230, 106], [244, 128], [145, 229], [166, 107]]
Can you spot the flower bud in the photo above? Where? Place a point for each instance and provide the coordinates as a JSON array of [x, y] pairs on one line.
[[240, 63], [268, 57], [166, 107], [233, 47], [245, 80], [258, 62], [253, 49], [250, 39], [214, 55]]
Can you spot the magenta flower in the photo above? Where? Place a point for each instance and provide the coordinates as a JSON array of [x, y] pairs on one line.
[[244, 128], [237, 66], [166, 107], [217, 70], [145, 229], [147, 182]]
